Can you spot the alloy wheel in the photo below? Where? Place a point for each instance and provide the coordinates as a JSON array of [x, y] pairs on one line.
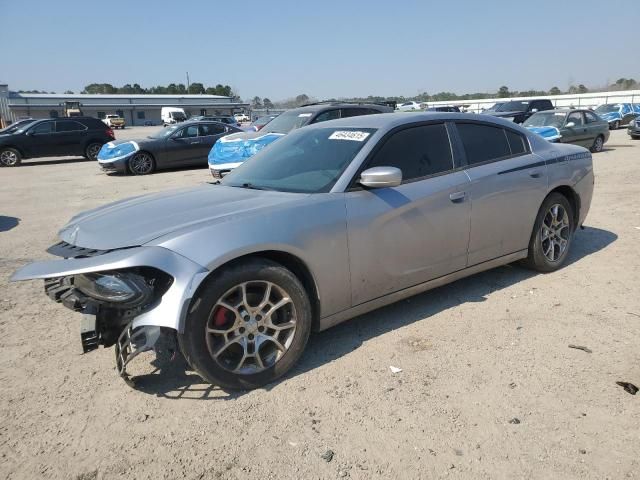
[[141, 164], [598, 144], [8, 158], [251, 327], [554, 233], [93, 150]]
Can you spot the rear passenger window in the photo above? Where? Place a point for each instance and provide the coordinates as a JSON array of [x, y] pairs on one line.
[[483, 143], [591, 117], [207, 129], [418, 152], [328, 115], [354, 112], [516, 142], [69, 126]]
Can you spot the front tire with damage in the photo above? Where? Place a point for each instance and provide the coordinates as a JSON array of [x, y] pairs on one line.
[[247, 326]]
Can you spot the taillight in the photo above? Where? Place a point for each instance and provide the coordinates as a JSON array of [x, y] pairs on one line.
[[110, 133]]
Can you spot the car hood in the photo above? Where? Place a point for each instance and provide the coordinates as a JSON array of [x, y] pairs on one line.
[[139, 220], [237, 147], [548, 133], [505, 114]]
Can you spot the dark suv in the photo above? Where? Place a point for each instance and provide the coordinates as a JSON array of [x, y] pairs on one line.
[[519, 110], [59, 137]]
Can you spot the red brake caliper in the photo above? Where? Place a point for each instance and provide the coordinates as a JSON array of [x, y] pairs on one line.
[[220, 317]]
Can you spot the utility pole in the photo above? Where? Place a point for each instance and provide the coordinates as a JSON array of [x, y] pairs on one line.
[[187, 82]]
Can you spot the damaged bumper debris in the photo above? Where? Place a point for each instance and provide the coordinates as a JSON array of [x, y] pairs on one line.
[[128, 297]]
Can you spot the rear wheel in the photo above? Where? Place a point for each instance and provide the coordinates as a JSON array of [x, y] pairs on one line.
[[248, 326], [10, 157], [552, 234], [615, 125], [142, 163], [92, 150], [598, 144]]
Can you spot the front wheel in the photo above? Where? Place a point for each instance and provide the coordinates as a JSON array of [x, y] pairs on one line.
[[142, 163], [10, 157], [248, 326], [598, 144], [552, 234]]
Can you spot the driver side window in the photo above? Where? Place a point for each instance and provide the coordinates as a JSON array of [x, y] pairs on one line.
[[43, 128], [576, 118], [328, 115]]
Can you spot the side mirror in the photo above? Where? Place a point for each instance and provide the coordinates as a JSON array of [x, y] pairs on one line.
[[380, 177], [534, 110], [570, 125]]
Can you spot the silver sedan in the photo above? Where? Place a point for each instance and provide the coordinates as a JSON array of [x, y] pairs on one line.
[[330, 222]]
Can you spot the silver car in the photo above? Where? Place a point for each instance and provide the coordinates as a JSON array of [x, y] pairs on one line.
[[334, 220]]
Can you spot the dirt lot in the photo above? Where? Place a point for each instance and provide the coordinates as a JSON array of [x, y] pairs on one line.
[[475, 356]]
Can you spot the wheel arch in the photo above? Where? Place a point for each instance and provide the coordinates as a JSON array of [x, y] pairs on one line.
[[289, 261], [19, 150]]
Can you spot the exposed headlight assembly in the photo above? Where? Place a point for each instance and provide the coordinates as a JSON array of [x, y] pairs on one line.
[[125, 288]]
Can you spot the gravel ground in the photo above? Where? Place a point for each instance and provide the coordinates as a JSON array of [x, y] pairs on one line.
[[488, 387]]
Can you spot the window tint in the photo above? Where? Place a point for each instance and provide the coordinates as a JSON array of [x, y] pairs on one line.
[[591, 117], [516, 142], [211, 129], [190, 131], [575, 117], [355, 112], [328, 115], [483, 143], [69, 126], [43, 128], [417, 151]]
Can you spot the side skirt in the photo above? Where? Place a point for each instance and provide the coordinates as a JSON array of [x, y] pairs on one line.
[[336, 318]]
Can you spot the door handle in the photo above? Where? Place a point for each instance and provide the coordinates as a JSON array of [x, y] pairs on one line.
[[194, 143], [535, 174], [457, 197]]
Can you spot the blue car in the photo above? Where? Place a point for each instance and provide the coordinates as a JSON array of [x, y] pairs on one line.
[[230, 151], [618, 114]]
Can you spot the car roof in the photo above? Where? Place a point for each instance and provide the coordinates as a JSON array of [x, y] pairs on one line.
[[316, 107]]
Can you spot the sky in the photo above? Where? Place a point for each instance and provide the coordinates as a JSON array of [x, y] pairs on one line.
[[282, 48]]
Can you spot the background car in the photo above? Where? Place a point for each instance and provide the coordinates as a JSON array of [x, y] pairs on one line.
[[333, 221], [260, 122], [408, 106], [618, 114], [183, 145], [61, 137], [580, 127], [444, 108], [226, 119], [242, 117], [17, 125], [235, 149], [519, 110]]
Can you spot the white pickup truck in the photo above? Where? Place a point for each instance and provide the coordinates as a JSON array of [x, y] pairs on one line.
[[114, 121]]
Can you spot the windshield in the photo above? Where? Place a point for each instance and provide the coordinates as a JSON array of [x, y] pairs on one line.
[[305, 161], [494, 107], [165, 132], [512, 107], [287, 121], [19, 125], [607, 108], [545, 119]]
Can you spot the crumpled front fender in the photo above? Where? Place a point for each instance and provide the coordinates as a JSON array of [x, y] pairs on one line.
[[170, 312]]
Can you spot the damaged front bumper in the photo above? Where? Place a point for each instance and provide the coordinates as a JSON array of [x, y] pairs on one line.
[[131, 329]]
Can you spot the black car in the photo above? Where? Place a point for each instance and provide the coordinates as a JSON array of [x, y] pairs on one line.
[[519, 110], [634, 128], [447, 108], [226, 119], [61, 137], [185, 144]]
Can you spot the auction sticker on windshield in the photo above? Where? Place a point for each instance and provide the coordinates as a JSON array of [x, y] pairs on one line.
[[349, 135]]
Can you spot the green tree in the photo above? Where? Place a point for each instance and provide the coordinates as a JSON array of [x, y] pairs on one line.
[[267, 103], [555, 91], [196, 88], [582, 89], [503, 92], [68, 92], [256, 102]]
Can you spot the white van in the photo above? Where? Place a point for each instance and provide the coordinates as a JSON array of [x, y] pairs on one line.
[[171, 115]]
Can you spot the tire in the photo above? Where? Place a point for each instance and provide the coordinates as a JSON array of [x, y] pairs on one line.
[[142, 163], [10, 157], [635, 137], [598, 144], [92, 150], [230, 359], [615, 125], [548, 255]]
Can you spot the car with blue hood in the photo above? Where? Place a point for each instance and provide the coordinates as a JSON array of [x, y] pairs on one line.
[[233, 150], [618, 114], [580, 127]]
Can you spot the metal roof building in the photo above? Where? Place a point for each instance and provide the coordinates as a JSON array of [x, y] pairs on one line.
[[135, 109]]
